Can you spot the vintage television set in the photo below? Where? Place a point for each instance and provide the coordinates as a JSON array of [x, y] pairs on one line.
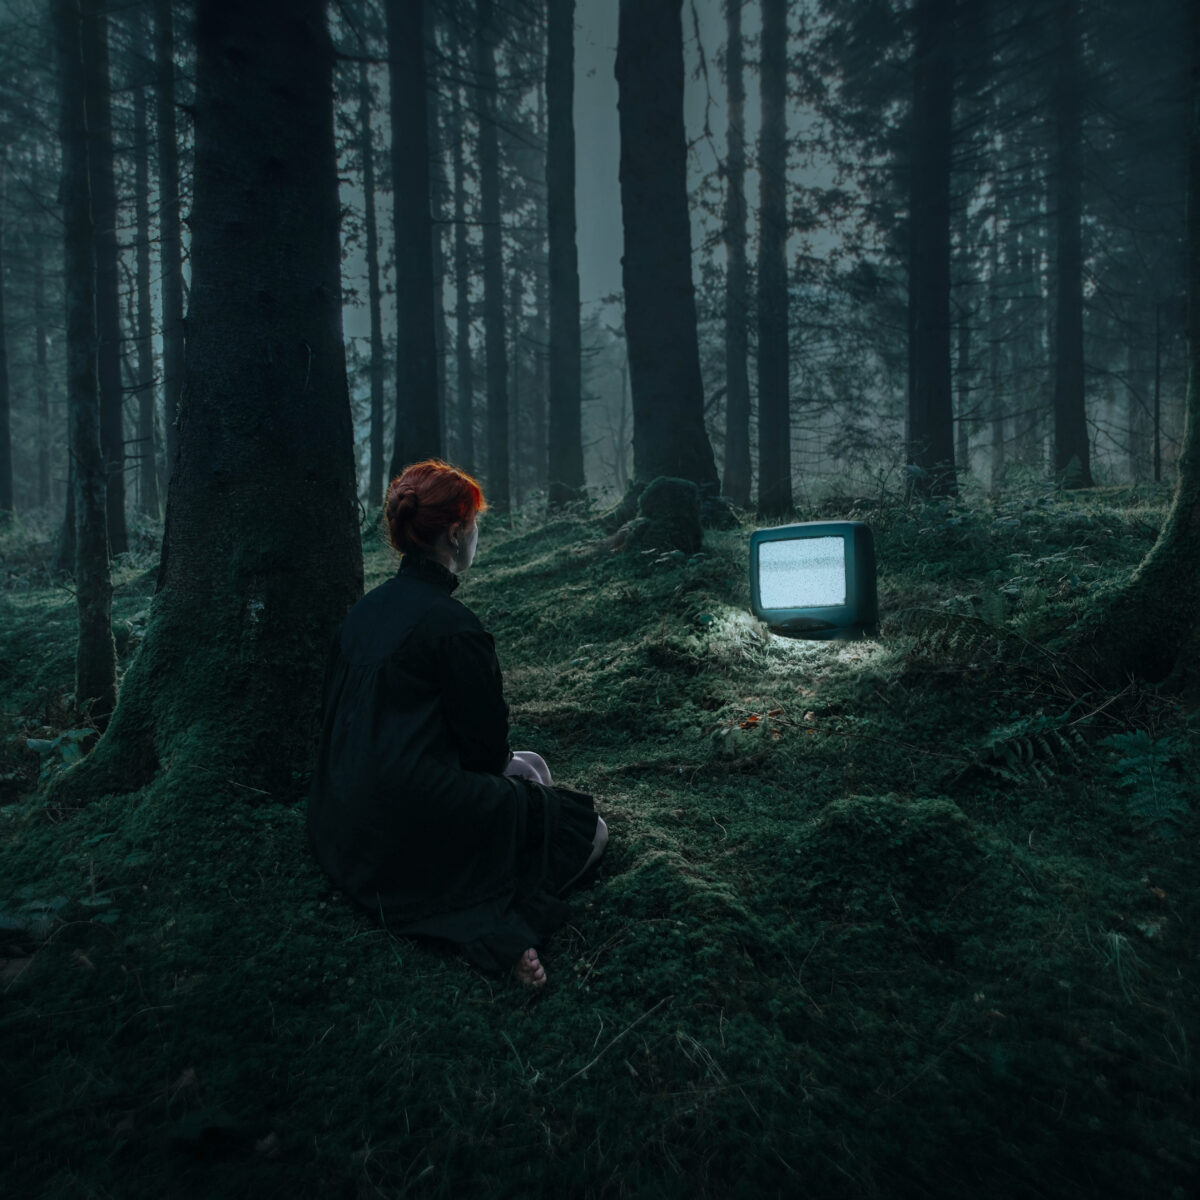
[[815, 579]]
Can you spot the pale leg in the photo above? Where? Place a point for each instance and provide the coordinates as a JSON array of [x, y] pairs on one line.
[[529, 765]]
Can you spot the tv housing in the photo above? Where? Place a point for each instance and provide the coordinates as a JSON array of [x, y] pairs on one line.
[[815, 579]]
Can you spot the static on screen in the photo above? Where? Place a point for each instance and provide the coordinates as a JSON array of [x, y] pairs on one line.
[[802, 573]]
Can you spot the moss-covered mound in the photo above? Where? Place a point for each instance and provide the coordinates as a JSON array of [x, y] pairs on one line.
[[906, 917]]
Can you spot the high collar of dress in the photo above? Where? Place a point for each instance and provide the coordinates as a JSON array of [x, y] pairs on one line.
[[415, 565]]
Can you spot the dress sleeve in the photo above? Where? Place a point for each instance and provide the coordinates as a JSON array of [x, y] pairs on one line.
[[472, 691]]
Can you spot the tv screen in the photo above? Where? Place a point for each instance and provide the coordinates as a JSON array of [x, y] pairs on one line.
[[814, 579]]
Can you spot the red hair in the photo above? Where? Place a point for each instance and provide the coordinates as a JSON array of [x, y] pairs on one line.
[[425, 499]]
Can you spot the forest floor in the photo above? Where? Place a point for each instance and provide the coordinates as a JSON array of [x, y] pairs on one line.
[[912, 916]]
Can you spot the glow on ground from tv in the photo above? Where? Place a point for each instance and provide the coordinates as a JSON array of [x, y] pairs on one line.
[[802, 573]]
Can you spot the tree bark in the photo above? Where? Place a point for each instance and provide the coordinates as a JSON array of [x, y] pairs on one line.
[[961, 423], [464, 366], [930, 400], [148, 499], [6, 463], [774, 399], [1072, 458], [669, 437], [261, 556], [108, 284], [375, 482], [437, 210], [95, 659], [417, 435], [493, 263], [41, 333], [170, 247], [516, 288], [736, 484], [565, 435]]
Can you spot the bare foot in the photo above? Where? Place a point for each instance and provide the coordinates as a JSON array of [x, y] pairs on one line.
[[529, 970]]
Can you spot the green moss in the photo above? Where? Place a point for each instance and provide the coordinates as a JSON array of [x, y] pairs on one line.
[[864, 928]]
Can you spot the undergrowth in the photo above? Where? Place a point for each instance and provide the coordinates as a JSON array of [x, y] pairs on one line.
[[913, 916]]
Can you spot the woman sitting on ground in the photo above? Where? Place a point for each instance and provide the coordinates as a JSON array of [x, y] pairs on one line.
[[418, 810]]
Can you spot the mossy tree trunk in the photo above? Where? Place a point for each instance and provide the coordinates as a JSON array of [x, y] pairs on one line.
[[261, 555], [774, 397], [736, 482], [95, 658], [669, 437], [566, 387], [930, 402], [1156, 616], [417, 434]]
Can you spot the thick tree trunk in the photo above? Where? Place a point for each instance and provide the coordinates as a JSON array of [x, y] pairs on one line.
[[261, 557], [146, 442], [170, 243], [417, 435], [1072, 458], [6, 463], [464, 366], [493, 263], [669, 437], [375, 484], [95, 659], [565, 449], [736, 484], [930, 401], [108, 284], [774, 399]]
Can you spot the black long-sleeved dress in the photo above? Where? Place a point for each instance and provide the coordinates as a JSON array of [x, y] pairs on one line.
[[409, 812]]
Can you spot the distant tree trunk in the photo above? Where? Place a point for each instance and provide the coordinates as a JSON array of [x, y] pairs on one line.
[[170, 248], [374, 485], [1151, 625], [464, 372], [437, 210], [417, 435], [1158, 392], [108, 284], [1072, 458], [961, 423], [774, 399], [565, 453], [736, 485], [6, 463], [669, 437], [261, 556], [95, 659], [541, 383], [41, 386], [147, 447], [493, 262], [516, 286], [930, 402]]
